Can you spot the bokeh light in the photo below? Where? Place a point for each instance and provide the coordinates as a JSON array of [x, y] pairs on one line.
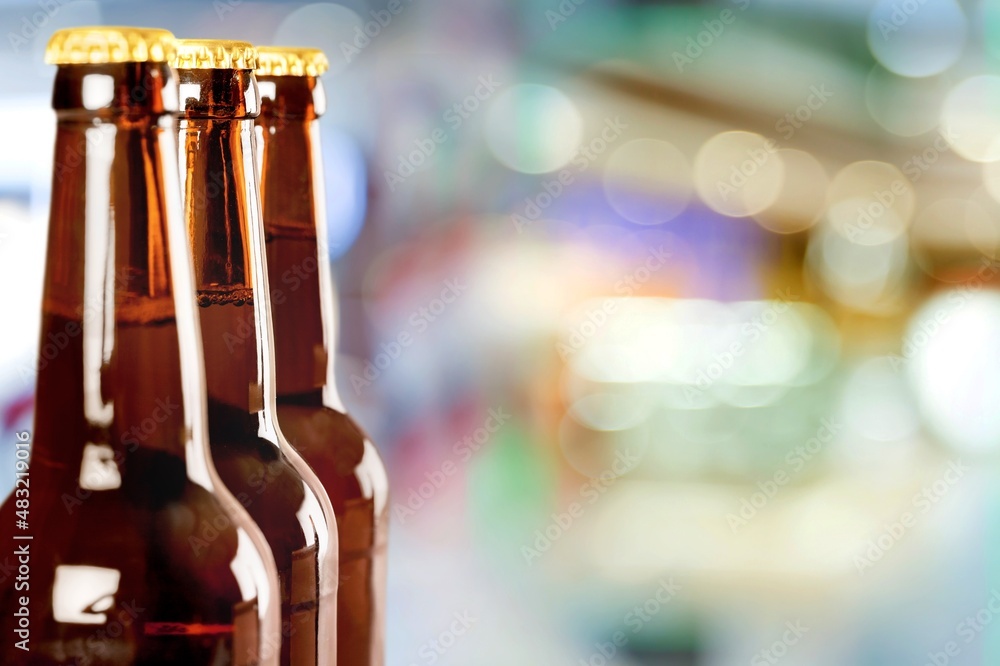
[[533, 128], [739, 173], [648, 181], [346, 189], [870, 202], [991, 179], [949, 351], [970, 118], [877, 404], [338, 30], [802, 198], [865, 277], [750, 247], [951, 223], [919, 37], [904, 106]]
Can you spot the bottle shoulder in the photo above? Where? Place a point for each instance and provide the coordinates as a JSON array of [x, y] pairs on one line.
[[341, 453], [186, 530], [271, 487]]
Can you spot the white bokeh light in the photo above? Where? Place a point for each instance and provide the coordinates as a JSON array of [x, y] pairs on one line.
[[334, 28], [917, 37], [533, 128], [970, 118], [876, 403], [950, 351]]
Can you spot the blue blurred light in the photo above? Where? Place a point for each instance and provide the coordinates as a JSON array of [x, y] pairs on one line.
[[346, 190]]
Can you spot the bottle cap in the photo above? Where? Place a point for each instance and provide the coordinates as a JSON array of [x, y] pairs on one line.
[[100, 45], [215, 54], [290, 61]]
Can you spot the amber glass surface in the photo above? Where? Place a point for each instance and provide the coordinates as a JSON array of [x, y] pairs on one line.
[[310, 410], [136, 554], [280, 491]]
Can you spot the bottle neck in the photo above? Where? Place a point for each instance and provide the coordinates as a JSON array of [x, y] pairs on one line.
[[117, 282], [291, 97], [292, 195], [222, 213], [291, 165]]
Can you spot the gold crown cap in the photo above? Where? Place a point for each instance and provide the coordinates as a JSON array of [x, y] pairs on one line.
[[99, 45], [215, 54], [290, 61]]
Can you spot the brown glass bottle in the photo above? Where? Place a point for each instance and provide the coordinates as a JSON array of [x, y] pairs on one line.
[[136, 554], [310, 410], [219, 100]]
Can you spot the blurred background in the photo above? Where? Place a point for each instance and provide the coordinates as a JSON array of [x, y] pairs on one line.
[[677, 323]]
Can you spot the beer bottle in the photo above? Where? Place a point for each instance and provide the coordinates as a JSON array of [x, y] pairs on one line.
[[219, 100], [310, 411], [126, 547]]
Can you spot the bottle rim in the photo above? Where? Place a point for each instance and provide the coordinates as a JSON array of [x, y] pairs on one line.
[[291, 61], [215, 54], [101, 45]]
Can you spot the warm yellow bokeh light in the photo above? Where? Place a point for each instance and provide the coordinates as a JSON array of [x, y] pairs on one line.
[[739, 173], [953, 224], [870, 202], [802, 198]]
